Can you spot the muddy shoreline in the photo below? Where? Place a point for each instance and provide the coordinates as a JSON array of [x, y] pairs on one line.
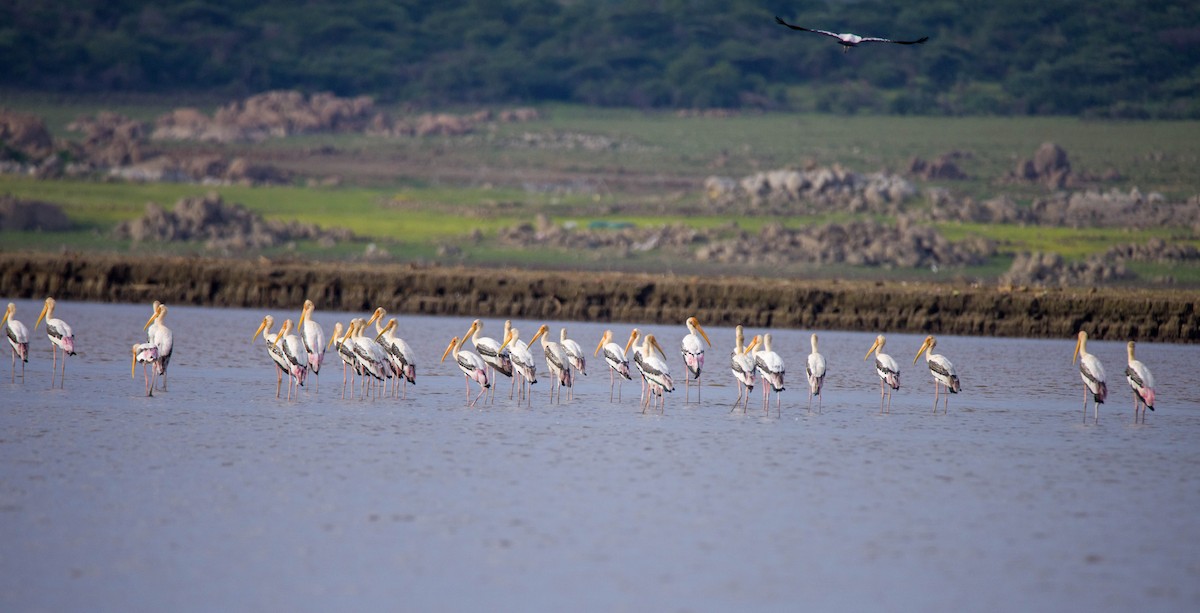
[[642, 299]]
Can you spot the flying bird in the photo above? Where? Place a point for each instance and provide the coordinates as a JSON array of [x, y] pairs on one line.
[[851, 40]]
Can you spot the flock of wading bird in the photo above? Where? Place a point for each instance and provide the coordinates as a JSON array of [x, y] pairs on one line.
[[378, 358]]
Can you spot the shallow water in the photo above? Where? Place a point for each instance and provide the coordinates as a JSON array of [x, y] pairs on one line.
[[216, 495]]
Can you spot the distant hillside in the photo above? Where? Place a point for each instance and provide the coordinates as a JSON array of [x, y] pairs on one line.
[[1105, 58]]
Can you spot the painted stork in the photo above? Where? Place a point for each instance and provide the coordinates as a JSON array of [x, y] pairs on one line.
[[274, 352], [497, 359], [348, 361], [815, 369], [693, 357], [851, 40], [472, 366], [313, 337], [888, 371], [372, 360], [1092, 373], [557, 362], [1142, 382], [400, 355], [158, 333], [18, 340], [741, 363], [618, 364], [147, 354], [295, 357], [770, 367], [655, 372], [636, 358], [575, 354], [524, 366], [942, 370], [61, 337]]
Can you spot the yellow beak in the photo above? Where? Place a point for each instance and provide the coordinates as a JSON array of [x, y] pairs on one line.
[[45, 307], [449, 348], [541, 330], [603, 339], [376, 315], [874, 346], [256, 332], [508, 336], [924, 346], [472, 329]]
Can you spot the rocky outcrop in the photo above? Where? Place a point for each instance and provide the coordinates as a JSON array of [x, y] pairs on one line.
[[218, 225], [280, 114], [30, 215], [1113, 208], [268, 115], [23, 137], [858, 243], [110, 139], [942, 168], [1115, 314], [1050, 269], [1049, 166], [814, 190]]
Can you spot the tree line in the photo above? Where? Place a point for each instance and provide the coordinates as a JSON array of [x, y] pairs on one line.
[[1101, 58]]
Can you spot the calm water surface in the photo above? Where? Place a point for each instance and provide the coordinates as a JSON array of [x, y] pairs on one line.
[[215, 495]]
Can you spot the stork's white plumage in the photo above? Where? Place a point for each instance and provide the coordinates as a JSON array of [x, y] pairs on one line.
[[18, 339], [1092, 373], [575, 354], [489, 349], [275, 353], [372, 359], [557, 362], [618, 364], [524, 367], [472, 366], [401, 356], [61, 337], [693, 356], [295, 357], [888, 371], [313, 337], [1142, 382], [147, 354], [815, 369], [770, 367], [349, 363], [847, 40], [655, 371], [944, 374], [741, 363], [158, 333]]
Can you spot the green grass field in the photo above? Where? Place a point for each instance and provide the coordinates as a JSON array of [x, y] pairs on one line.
[[411, 195]]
